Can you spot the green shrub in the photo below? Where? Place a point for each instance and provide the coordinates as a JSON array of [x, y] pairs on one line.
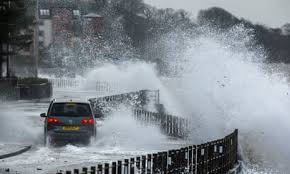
[[32, 80]]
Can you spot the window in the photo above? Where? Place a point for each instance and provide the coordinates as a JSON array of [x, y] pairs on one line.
[[76, 12], [41, 33], [71, 109], [44, 12]]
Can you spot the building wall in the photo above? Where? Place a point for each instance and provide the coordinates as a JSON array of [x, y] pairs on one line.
[[61, 21], [45, 32], [92, 26], [62, 25]]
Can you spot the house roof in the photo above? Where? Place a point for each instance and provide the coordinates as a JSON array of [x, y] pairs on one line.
[[93, 15], [73, 4]]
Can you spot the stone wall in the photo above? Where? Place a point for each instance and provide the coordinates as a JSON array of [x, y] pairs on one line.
[[9, 90], [35, 91]]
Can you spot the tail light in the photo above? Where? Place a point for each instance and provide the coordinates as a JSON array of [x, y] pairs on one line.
[[87, 121], [52, 121]]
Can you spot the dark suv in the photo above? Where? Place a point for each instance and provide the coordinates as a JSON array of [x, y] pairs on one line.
[[69, 122]]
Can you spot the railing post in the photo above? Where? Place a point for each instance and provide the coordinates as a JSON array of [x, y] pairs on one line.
[[119, 167], [178, 161], [190, 159], [93, 170], [160, 162], [171, 161], [76, 171], [221, 156], [155, 163], [197, 158], [236, 144], [126, 166], [114, 168], [143, 164], [206, 159], [132, 166], [85, 170], [100, 169], [149, 162], [107, 168], [164, 161], [138, 164]]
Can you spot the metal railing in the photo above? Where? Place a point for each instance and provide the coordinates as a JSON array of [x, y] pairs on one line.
[[215, 157], [66, 82], [169, 125]]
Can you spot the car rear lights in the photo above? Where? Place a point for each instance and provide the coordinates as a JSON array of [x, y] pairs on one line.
[[87, 121], [52, 121]]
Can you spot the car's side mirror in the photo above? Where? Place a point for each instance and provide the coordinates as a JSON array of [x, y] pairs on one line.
[[42, 115], [97, 115]]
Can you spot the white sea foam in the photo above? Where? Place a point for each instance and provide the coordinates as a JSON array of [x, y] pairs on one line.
[[223, 86]]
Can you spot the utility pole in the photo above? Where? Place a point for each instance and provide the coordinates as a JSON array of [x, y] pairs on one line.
[[36, 41]]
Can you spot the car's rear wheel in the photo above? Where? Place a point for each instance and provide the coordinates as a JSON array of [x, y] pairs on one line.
[[48, 141], [45, 139]]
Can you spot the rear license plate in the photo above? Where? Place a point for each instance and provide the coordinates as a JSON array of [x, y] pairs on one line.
[[71, 128]]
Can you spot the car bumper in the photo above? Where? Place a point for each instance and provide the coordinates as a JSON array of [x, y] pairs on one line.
[[70, 135]]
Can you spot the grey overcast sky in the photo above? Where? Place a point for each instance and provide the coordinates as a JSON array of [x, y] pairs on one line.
[[273, 13]]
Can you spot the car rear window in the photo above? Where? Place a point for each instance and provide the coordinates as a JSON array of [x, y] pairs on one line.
[[71, 109]]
